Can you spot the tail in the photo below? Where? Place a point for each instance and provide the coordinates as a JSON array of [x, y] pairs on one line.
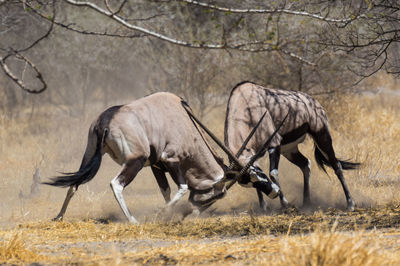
[[89, 166], [322, 161]]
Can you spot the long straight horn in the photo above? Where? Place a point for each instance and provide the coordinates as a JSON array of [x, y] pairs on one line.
[[246, 141], [223, 147], [263, 148]]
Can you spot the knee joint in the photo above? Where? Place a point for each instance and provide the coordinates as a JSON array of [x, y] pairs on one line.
[[339, 169], [274, 173], [183, 189], [116, 185]]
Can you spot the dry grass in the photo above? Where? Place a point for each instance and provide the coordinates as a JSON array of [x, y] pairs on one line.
[[276, 240], [364, 128], [13, 251]]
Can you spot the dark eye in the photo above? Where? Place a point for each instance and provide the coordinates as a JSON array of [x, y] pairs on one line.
[[262, 175], [257, 169]]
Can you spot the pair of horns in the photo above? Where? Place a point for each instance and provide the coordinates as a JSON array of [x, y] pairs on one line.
[[261, 151], [258, 154], [234, 158], [223, 147], [246, 141]]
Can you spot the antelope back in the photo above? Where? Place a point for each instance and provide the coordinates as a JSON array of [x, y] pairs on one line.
[[249, 101]]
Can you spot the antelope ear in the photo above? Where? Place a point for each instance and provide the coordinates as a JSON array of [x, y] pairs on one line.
[[231, 175]]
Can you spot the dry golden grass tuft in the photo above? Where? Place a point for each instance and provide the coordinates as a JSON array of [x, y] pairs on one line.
[[336, 249], [14, 251]]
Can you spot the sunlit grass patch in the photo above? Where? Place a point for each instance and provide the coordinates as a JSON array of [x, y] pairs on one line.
[[336, 248], [14, 251]]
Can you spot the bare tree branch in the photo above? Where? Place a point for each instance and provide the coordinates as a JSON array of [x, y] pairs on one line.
[[360, 35], [18, 81], [380, 66], [18, 55], [247, 46], [141, 29], [106, 2], [272, 11], [71, 27], [298, 57]]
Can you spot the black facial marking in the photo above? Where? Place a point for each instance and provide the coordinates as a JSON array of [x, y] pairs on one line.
[[245, 179], [265, 187], [259, 172]]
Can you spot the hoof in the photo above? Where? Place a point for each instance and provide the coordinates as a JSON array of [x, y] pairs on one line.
[[285, 203], [196, 212], [57, 219], [190, 210], [132, 220], [350, 206]]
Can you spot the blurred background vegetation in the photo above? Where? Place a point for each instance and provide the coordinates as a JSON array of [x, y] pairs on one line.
[[112, 51]]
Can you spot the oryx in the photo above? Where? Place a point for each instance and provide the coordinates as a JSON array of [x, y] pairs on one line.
[[158, 131], [248, 101]]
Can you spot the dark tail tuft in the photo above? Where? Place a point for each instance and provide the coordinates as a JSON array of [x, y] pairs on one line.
[[322, 161], [346, 165], [86, 172]]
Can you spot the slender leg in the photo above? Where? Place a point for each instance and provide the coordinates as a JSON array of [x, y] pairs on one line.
[[183, 189], [174, 170], [339, 173], [168, 210], [324, 142], [263, 204], [128, 173], [70, 193], [177, 176], [304, 164], [274, 155], [162, 182]]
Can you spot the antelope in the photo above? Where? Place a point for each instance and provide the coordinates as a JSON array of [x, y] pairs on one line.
[[248, 101], [161, 131]]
